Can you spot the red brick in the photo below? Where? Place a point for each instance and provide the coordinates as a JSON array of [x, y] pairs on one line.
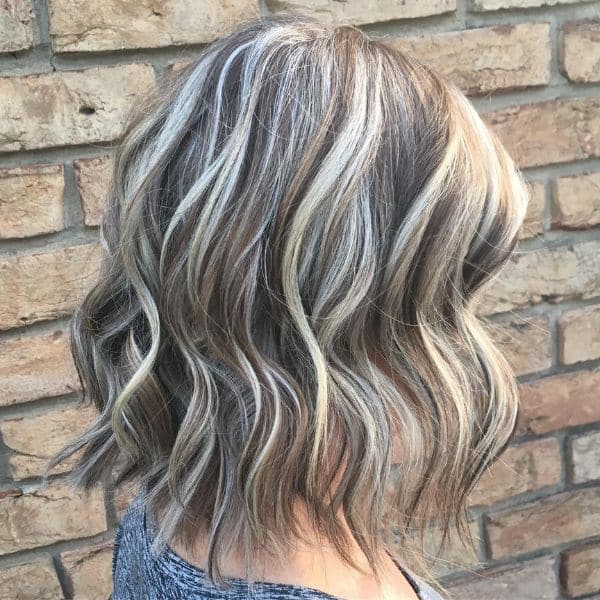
[[93, 178], [35, 439], [37, 366], [549, 132], [62, 108], [581, 51], [31, 581], [532, 580], [49, 515], [526, 343], [46, 285], [491, 58], [89, 570], [580, 570], [520, 469], [576, 202], [31, 201], [549, 522], [579, 335], [560, 401]]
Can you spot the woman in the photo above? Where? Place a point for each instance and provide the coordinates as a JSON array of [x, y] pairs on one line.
[[282, 342]]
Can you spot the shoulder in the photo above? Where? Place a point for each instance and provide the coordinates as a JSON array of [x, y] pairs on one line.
[[132, 522], [129, 542], [426, 591]]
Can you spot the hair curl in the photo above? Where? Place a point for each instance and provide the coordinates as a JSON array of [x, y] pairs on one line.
[[298, 228]]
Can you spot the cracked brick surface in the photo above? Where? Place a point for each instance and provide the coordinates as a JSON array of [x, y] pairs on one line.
[[549, 132], [358, 12], [488, 58], [45, 285], [31, 201], [83, 26], [547, 274], [70, 107], [57, 427], [16, 25], [48, 515]]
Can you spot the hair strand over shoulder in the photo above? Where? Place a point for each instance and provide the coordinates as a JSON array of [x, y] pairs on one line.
[[299, 226]]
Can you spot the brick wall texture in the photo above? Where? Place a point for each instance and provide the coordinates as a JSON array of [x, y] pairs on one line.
[[70, 70]]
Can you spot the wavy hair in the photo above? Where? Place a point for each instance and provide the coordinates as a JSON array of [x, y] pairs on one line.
[[299, 225]]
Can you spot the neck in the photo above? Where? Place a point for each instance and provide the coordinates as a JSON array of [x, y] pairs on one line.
[[314, 563]]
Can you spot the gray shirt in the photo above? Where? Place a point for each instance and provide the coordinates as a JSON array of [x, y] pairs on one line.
[[141, 574]]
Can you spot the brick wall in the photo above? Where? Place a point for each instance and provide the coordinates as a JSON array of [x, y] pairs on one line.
[[70, 71]]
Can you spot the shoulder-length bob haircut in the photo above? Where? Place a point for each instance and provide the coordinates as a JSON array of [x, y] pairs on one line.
[[298, 226]]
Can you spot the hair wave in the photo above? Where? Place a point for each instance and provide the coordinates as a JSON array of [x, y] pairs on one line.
[[298, 228]]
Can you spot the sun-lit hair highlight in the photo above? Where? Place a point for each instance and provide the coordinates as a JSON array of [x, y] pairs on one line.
[[299, 227]]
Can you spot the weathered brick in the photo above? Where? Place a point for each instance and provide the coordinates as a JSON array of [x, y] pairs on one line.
[[69, 107], [533, 224], [549, 522], [585, 457], [526, 343], [551, 274], [180, 65], [31, 581], [16, 25], [38, 366], [45, 285], [579, 335], [549, 132], [31, 201], [35, 439], [498, 4], [82, 26], [49, 515], [553, 403], [492, 58], [576, 201], [89, 570], [531, 580], [124, 496], [456, 555], [581, 51], [93, 177], [520, 469], [358, 12], [580, 570]]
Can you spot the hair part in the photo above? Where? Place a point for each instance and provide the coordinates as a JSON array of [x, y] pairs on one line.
[[299, 226]]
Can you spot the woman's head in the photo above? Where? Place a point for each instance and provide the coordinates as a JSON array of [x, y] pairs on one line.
[[298, 227]]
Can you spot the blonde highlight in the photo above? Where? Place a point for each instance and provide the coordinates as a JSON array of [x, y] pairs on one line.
[[299, 228]]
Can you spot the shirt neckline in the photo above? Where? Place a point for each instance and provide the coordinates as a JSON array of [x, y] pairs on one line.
[[185, 575]]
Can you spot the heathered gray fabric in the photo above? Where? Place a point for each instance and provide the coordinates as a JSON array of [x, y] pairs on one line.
[[140, 574]]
